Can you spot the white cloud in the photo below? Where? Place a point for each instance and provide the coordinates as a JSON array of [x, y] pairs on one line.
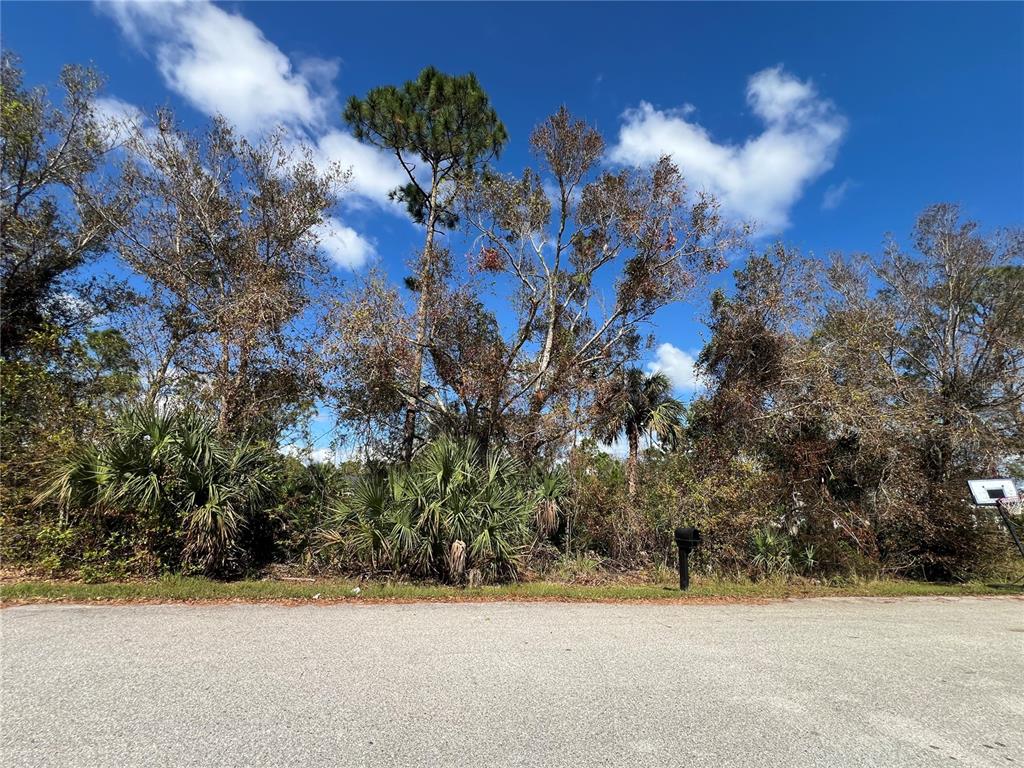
[[762, 178], [343, 245], [309, 455], [678, 365], [122, 116], [220, 62], [778, 97], [374, 174], [835, 194], [122, 120], [554, 194], [619, 449]]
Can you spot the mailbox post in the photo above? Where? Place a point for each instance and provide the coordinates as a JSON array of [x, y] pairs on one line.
[[686, 540]]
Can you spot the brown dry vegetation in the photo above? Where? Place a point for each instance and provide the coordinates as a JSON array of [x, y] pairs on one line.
[[847, 401]]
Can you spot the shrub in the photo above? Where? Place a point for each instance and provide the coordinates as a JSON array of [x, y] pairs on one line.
[[595, 504], [190, 499], [776, 553], [453, 514], [308, 498], [938, 536]]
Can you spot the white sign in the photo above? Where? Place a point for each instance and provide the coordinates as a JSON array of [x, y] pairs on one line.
[[989, 492]]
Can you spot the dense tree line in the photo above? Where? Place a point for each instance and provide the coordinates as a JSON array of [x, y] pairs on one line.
[[846, 401]]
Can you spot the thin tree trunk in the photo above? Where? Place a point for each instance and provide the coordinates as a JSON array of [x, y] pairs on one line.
[[631, 464], [225, 398], [156, 384], [409, 431]]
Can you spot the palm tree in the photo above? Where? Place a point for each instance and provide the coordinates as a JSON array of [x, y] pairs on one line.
[[638, 405], [173, 482], [455, 509]]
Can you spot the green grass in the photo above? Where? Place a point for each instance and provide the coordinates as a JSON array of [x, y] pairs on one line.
[[182, 589]]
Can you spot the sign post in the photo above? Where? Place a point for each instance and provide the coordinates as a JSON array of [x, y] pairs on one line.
[[1001, 493], [686, 540]]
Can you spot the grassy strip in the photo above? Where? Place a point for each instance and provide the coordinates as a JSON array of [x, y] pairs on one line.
[[181, 589]]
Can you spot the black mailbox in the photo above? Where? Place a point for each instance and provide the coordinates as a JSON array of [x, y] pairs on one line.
[[686, 540], [687, 537]]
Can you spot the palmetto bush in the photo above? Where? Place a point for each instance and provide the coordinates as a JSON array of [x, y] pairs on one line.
[[552, 487], [455, 513], [775, 553], [188, 498]]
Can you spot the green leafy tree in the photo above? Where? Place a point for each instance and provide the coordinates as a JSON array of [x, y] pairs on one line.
[[63, 371], [51, 214], [60, 390], [638, 405], [447, 123]]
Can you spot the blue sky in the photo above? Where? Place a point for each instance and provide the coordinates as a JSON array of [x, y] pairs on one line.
[[829, 123]]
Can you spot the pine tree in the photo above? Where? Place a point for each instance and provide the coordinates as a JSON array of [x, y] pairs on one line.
[[447, 123]]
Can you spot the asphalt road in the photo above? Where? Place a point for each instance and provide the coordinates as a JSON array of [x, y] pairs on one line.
[[844, 682]]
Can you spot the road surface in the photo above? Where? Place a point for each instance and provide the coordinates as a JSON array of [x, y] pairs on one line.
[[843, 682]]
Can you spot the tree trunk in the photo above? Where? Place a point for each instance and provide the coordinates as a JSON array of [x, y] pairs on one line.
[[156, 384], [224, 399], [631, 464], [409, 431]]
